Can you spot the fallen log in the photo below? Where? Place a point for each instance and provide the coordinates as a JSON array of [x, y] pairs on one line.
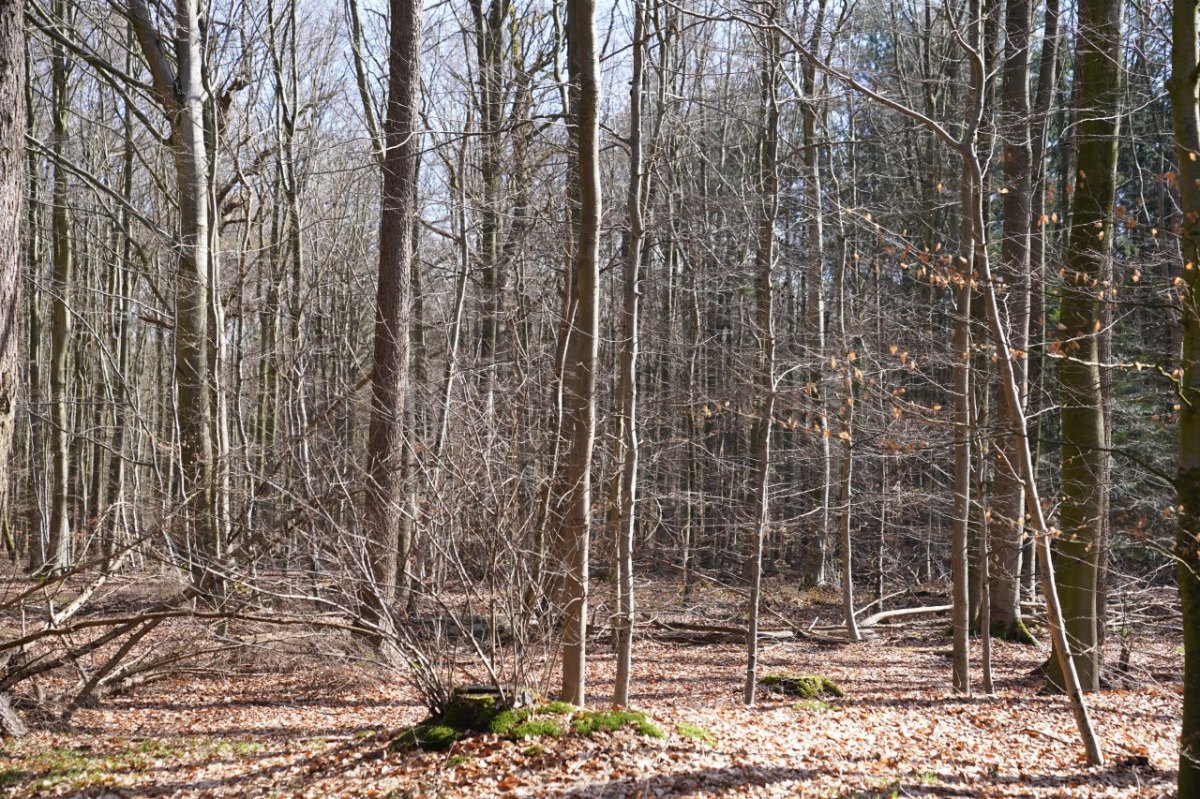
[[700, 634]]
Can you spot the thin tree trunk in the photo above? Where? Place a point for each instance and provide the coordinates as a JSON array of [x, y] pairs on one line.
[[764, 264], [580, 395], [627, 390], [58, 556]]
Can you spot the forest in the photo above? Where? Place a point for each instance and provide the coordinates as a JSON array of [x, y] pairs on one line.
[[423, 398]]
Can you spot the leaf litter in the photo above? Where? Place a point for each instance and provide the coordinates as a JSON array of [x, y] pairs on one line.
[[311, 731]]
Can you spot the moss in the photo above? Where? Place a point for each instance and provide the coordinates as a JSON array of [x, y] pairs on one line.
[[436, 737], [1018, 633], [695, 733], [808, 686], [471, 712], [557, 708], [814, 705], [534, 750], [505, 721], [536, 728], [431, 736], [588, 722], [456, 760]]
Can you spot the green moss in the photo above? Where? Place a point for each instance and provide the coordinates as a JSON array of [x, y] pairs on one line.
[[1018, 633], [808, 686], [587, 722], [456, 760], [814, 705], [686, 730], [431, 736], [436, 737], [557, 708], [505, 721], [536, 728], [534, 750]]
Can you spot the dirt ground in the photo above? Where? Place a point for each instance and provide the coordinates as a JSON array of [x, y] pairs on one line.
[[310, 730]]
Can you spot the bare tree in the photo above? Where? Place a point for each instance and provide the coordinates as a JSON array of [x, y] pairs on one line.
[[12, 193], [627, 392], [1185, 113], [1089, 241], [385, 495], [180, 90], [580, 390]]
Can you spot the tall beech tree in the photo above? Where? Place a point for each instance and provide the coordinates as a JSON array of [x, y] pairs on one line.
[[767, 185], [385, 494], [579, 390], [1007, 531], [12, 195], [1185, 113], [627, 392], [180, 89], [1089, 243]]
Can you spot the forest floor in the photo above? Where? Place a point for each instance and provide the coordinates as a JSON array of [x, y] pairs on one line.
[[323, 730]]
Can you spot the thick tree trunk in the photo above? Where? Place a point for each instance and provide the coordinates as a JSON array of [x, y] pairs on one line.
[[580, 390], [12, 193], [385, 495], [1008, 531], [181, 93], [1097, 76], [1185, 111]]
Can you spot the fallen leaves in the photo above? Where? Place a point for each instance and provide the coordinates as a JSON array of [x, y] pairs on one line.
[[898, 730]]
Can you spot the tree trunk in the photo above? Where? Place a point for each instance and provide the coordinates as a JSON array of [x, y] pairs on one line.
[[764, 264], [12, 193], [580, 391], [385, 494], [1185, 111], [1008, 531], [180, 91], [58, 555], [627, 390], [1097, 76]]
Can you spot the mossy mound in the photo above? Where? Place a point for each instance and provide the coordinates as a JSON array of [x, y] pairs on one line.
[[805, 686], [587, 722], [475, 710], [428, 735]]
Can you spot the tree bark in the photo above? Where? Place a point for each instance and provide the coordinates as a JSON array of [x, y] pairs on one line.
[[764, 265], [1008, 531], [1097, 76], [385, 494], [58, 554], [627, 389], [1185, 112], [579, 398], [12, 194]]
